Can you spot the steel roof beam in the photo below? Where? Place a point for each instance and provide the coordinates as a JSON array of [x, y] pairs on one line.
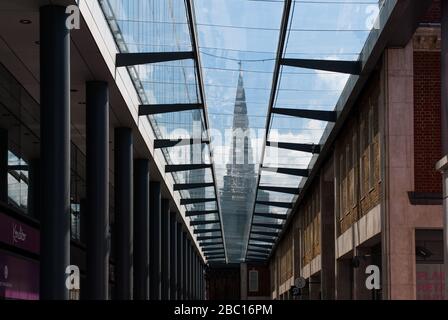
[[280, 189], [209, 254], [256, 260], [200, 238], [152, 109], [265, 233], [134, 59], [189, 186], [258, 251], [303, 147], [340, 66], [257, 256], [265, 240], [211, 250], [289, 171], [211, 244], [287, 205], [195, 213], [186, 167], [259, 245], [196, 200], [268, 225], [321, 115], [168, 143], [201, 223], [221, 256], [201, 231], [271, 215]]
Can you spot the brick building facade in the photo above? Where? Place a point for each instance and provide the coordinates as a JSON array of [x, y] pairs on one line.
[[377, 198]]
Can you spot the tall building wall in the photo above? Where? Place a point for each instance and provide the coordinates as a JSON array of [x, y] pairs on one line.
[[386, 188]]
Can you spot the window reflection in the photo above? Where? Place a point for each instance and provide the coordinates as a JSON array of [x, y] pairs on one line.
[[17, 182]]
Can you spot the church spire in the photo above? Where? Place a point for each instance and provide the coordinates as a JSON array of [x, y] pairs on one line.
[[240, 119]]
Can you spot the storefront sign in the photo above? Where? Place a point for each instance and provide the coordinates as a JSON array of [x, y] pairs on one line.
[[19, 278], [430, 281], [18, 234]]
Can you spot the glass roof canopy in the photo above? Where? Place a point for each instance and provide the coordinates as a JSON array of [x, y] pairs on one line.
[[244, 81], [163, 26], [313, 30], [239, 38]]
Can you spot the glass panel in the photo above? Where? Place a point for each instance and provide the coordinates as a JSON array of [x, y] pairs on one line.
[[162, 26], [237, 40]]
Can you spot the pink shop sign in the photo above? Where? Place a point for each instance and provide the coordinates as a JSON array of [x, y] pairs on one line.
[[19, 278], [19, 234]]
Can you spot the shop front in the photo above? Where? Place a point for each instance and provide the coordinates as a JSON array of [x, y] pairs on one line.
[[19, 251]]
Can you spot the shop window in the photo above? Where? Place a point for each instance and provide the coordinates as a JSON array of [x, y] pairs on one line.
[[18, 180], [75, 221], [77, 192], [371, 150], [348, 178], [341, 187], [362, 156]]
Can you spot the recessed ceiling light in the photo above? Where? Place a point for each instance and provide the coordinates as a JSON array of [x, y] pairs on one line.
[[25, 21]]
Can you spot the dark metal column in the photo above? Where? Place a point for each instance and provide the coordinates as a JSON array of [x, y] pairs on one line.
[[201, 284], [185, 266], [173, 255], [165, 249], [124, 212], [196, 275], [179, 261], [155, 202], [326, 199], [191, 270], [199, 277], [187, 269], [141, 229], [193, 274], [97, 190], [34, 188], [55, 151], [4, 165]]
